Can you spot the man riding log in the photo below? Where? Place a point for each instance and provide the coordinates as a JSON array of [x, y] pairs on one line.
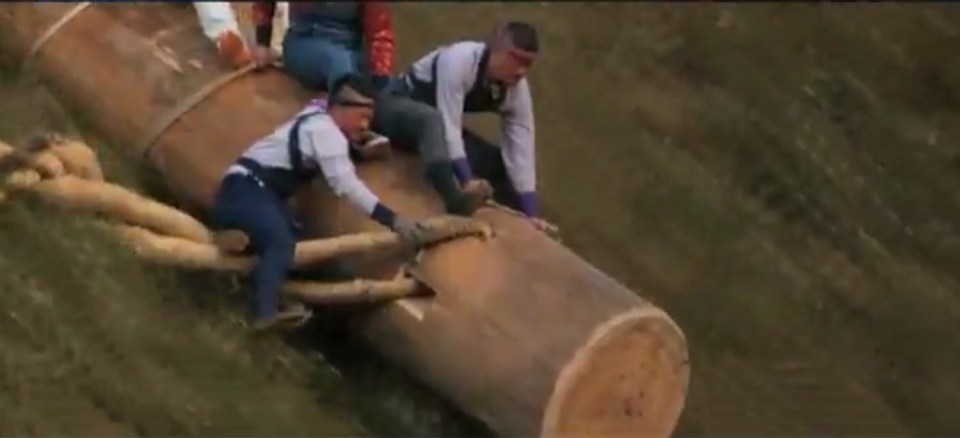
[[485, 77], [252, 195]]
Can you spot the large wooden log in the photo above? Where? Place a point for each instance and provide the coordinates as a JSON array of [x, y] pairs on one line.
[[521, 332]]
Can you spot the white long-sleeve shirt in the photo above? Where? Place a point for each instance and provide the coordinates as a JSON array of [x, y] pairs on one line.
[[323, 145], [457, 71]]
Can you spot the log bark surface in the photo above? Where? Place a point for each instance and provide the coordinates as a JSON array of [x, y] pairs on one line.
[[521, 332]]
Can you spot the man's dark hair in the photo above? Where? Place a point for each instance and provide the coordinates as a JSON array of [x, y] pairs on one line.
[[356, 82], [522, 35]]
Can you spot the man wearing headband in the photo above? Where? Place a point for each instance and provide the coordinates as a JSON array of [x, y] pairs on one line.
[[327, 40], [476, 77], [252, 196]]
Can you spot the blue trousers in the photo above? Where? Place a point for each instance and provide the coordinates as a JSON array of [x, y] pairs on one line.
[[317, 60], [242, 204]]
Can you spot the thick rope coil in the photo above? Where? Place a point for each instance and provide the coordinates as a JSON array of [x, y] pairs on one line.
[[53, 184], [66, 172]]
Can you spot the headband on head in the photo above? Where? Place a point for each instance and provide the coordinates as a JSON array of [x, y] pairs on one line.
[[349, 97], [352, 103]]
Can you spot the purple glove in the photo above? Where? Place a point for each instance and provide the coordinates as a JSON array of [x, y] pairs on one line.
[[461, 168], [528, 204]]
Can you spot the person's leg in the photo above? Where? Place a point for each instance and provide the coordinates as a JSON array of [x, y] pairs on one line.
[[243, 204], [281, 22], [486, 162], [418, 128], [215, 18], [413, 126], [315, 62]]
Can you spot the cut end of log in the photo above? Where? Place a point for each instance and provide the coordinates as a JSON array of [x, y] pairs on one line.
[[629, 380]]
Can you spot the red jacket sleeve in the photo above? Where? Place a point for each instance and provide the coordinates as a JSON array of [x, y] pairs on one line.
[[263, 21], [378, 31]]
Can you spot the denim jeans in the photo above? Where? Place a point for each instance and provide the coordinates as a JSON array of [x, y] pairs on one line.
[[242, 204], [317, 57]]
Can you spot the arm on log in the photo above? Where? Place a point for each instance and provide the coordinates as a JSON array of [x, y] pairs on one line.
[[182, 252]]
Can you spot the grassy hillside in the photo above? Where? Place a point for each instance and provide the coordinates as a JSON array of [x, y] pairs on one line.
[[780, 178]]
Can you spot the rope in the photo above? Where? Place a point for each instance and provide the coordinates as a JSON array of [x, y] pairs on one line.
[[173, 114], [51, 31], [66, 172]]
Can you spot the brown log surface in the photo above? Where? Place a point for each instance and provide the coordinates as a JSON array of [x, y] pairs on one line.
[[521, 332]]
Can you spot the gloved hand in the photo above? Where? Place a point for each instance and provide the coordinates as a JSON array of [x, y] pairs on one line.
[[410, 232]]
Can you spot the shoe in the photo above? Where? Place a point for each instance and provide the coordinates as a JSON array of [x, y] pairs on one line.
[[291, 316], [373, 146], [233, 49], [375, 140]]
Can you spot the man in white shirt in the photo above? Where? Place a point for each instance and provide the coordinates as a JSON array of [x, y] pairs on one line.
[[473, 77], [252, 196]]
